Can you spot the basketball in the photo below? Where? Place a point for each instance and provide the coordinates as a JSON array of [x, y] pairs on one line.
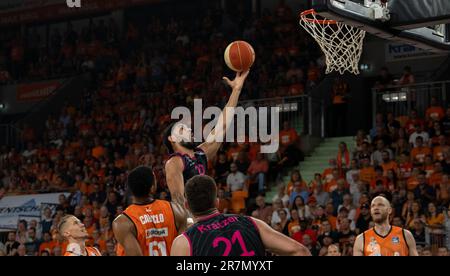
[[239, 56]]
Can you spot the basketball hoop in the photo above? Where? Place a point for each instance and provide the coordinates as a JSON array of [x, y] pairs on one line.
[[342, 44]]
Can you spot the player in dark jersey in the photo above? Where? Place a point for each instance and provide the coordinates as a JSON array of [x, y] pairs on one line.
[[216, 234], [186, 159], [148, 226]]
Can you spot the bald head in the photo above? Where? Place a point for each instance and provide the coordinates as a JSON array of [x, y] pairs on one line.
[[380, 209], [382, 199]]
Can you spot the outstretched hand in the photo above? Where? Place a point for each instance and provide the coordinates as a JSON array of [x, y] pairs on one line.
[[238, 81]]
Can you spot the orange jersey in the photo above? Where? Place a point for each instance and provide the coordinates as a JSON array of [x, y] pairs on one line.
[[155, 226], [90, 251], [394, 244]]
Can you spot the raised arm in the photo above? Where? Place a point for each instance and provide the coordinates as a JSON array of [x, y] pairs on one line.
[[125, 233], [174, 178], [278, 243], [211, 146], [181, 215]]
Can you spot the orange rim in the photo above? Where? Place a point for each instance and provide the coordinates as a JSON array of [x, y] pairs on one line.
[[304, 16]]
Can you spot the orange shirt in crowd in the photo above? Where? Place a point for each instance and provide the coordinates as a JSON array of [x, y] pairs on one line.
[[435, 112], [438, 153], [98, 151], [418, 154], [392, 165], [327, 175], [404, 170], [435, 179], [412, 183], [290, 186], [367, 174], [383, 179], [288, 137]]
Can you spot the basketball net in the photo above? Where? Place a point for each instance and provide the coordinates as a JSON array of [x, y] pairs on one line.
[[342, 44]]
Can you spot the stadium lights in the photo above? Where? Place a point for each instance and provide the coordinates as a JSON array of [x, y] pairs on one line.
[[395, 97]]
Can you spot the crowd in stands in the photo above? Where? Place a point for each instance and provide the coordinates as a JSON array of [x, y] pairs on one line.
[[142, 74]]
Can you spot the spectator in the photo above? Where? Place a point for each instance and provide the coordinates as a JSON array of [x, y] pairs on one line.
[[224, 202], [32, 244], [281, 195], [333, 250], [303, 210], [308, 243], [337, 195], [440, 149], [423, 191], [235, 179], [435, 221], [419, 152], [434, 112], [362, 223], [327, 174], [277, 205], [442, 251], [296, 181], [11, 244], [321, 196], [427, 251], [344, 234], [377, 155], [418, 133], [343, 157], [407, 77], [221, 169], [413, 121], [263, 212], [21, 234], [112, 202], [415, 213], [446, 122], [257, 171]]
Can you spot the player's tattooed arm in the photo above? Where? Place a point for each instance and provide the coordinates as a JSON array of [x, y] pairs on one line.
[[211, 145]]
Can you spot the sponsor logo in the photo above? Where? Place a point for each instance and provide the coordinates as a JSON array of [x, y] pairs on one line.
[[156, 232]]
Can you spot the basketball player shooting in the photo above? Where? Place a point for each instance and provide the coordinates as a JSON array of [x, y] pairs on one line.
[[217, 234], [384, 239], [74, 231], [186, 160]]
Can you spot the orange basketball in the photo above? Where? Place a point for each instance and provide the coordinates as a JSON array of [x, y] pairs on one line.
[[239, 56]]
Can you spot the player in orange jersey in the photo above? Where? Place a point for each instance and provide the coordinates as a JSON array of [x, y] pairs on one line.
[[73, 230], [384, 239], [148, 226]]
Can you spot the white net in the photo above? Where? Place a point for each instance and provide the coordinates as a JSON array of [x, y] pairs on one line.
[[342, 44]]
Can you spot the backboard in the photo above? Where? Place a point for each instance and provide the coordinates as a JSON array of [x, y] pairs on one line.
[[422, 23]]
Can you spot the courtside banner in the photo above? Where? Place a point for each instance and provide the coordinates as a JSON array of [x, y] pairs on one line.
[[14, 207], [34, 92]]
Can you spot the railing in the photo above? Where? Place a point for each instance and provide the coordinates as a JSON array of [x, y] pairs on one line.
[[11, 136], [401, 99], [303, 112]]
